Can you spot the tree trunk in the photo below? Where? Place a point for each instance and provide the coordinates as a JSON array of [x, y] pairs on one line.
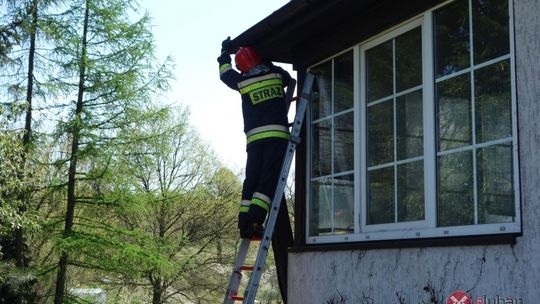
[[27, 138], [157, 290], [70, 211], [156, 294]]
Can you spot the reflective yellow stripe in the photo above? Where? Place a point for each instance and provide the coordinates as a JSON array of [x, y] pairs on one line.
[[267, 128], [260, 203], [224, 68], [263, 197], [249, 81], [267, 134], [244, 209], [260, 84], [244, 205]]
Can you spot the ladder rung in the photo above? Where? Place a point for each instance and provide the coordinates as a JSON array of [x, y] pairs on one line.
[[246, 267], [237, 298]]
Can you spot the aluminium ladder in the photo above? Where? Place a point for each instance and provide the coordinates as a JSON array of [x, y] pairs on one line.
[[231, 295]]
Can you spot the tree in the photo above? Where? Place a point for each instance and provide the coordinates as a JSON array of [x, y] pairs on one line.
[[109, 72], [184, 202], [22, 28]]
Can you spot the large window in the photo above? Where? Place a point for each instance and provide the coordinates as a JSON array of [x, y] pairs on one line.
[[332, 153], [413, 133]]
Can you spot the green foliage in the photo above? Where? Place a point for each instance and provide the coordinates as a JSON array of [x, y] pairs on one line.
[[178, 197], [15, 179], [153, 211]]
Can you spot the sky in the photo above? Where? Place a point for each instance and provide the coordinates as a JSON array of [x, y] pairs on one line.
[[191, 31]]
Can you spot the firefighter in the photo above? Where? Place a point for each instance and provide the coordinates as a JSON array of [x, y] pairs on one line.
[[264, 109]]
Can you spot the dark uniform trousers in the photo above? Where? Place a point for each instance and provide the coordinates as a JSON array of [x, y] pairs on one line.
[[263, 167]]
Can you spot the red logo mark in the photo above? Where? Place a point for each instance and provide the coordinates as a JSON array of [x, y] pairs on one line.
[[458, 297]]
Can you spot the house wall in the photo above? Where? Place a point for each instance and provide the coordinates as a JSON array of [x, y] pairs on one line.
[[502, 273]]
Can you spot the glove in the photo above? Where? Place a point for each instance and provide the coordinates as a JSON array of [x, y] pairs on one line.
[[224, 58], [227, 46]]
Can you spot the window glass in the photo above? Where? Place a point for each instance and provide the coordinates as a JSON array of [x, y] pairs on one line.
[[409, 60], [321, 207], [380, 208], [379, 68], [321, 148], [410, 191], [454, 113], [495, 184], [321, 96], [493, 102], [344, 204], [455, 184], [343, 86], [490, 29], [452, 44], [344, 143], [409, 125], [380, 133]]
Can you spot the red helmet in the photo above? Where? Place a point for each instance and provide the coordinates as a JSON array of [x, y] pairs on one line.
[[246, 58]]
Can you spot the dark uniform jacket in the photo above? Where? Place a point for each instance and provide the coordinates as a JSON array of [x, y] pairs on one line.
[[264, 107]]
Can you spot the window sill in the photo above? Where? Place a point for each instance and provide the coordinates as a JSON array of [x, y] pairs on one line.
[[494, 239]]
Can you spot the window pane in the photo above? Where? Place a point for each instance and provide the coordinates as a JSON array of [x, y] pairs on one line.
[[451, 27], [343, 77], [454, 113], [495, 184], [493, 102], [455, 187], [379, 71], [343, 204], [321, 148], [409, 60], [380, 133], [409, 125], [321, 207], [321, 96], [380, 205], [410, 191], [490, 29], [344, 143]]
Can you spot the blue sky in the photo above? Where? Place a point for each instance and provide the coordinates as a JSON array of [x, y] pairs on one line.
[[191, 32]]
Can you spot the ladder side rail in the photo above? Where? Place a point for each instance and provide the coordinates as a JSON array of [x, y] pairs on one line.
[[255, 278], [234, 282], [289, 94]]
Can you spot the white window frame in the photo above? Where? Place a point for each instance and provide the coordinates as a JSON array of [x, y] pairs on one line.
[[426, 228], [363, 139]]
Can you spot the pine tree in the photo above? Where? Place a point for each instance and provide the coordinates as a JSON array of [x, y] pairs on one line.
[[22, 28], [109, 72]]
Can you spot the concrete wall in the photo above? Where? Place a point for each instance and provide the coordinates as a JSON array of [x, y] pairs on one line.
[[429, 275]]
